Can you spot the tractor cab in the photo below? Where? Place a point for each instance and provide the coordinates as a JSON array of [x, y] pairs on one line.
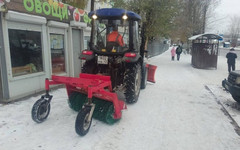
[[114, 31]]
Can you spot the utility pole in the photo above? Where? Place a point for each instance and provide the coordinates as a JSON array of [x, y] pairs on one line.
[[93, 24], [204, 18], [92, 5]]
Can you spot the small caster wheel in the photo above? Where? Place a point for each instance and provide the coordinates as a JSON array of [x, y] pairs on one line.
[[40, 110], [82, 124]]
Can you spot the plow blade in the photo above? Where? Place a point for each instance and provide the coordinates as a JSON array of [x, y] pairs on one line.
[[151, 73]]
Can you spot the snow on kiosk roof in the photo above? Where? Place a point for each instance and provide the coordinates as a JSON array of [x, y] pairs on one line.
[[205, 36], [114, 13]]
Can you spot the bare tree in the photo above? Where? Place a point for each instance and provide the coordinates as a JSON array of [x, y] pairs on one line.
[[210, 17], [157, 15], [192, 18], [234, 30]]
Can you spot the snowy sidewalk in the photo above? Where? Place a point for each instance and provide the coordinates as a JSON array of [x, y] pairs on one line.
[[175, 113]]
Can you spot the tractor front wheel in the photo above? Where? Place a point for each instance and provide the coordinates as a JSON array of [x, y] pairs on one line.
[[132, 81], [82, 124], [40, 110], [144, 76]]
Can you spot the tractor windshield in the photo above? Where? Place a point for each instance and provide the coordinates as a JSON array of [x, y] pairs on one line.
[[111, 35]]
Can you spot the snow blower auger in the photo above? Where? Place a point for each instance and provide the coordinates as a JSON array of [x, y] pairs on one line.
[[89, 94]]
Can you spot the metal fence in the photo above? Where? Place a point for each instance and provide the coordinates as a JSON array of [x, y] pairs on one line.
[[157, 47]]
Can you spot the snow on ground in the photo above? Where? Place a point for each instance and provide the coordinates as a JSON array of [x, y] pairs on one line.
[[227, 101], [175, 113]]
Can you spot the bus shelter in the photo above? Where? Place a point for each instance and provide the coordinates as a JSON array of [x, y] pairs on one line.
[[205, 50]]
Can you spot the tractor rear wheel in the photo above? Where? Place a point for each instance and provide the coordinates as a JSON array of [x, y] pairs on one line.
[[132, 81], [89, 67], [82, 124]]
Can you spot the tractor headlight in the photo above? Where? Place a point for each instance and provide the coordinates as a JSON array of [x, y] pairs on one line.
[[94, 17], [238, 80], [124, 17]]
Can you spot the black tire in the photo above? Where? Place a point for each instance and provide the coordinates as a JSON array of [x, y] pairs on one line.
[[40, 110], [82, 126], [144, 76], [132, 82], [89, 67], [236, 98]]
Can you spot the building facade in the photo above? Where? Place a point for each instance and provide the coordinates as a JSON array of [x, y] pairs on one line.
[[39, 39]]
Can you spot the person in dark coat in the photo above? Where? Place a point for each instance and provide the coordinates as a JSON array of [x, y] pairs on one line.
[[178, 52], [231, 57]]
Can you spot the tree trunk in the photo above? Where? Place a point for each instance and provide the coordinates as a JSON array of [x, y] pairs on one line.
[[93, 24], [92, 5], [146, 44], [204, 18]]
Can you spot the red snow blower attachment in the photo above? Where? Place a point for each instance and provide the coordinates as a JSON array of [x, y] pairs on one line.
[[89, 94]]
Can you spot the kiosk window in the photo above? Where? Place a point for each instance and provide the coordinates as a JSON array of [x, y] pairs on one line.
[[57, 53], [25, 51]]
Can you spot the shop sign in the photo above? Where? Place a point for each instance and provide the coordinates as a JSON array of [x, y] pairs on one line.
[[51, 9]]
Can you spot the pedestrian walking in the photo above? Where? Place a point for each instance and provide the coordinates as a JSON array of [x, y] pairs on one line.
[[173, 52], [231, 59], [178, 52]]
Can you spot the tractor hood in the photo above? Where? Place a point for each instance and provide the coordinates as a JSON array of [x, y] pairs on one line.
[[114, 13]]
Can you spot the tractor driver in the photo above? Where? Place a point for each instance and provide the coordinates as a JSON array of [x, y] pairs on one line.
[[114, 36]]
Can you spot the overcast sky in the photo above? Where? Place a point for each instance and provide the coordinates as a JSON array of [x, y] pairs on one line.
[[224, 11], [230, 7]]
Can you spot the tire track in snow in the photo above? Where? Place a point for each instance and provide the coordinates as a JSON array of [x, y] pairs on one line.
[[224, 110]]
